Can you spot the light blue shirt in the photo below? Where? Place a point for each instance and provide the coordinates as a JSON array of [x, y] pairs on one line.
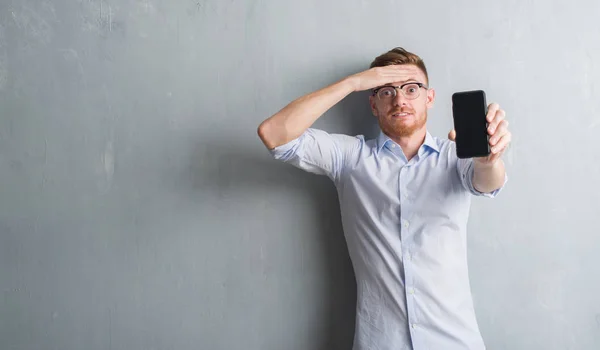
[[405, 225]]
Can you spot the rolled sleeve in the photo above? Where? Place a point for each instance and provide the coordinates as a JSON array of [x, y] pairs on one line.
[[318, 152], [286, 151], [466, 169]]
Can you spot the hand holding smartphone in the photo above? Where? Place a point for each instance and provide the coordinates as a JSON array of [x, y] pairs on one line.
[[469, 111]]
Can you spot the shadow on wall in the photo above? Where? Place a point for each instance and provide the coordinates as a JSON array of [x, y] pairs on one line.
[[354, 115], [226, 168], [237, 169]]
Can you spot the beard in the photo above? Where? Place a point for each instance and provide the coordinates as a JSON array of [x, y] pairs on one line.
[[400, 128]]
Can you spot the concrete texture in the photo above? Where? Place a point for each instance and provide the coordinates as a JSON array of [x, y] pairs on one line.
[[139, 210]]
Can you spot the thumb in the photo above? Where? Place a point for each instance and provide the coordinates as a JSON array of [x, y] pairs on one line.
[[452, 135]]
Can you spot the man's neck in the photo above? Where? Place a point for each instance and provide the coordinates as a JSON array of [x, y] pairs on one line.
[[410, 144]]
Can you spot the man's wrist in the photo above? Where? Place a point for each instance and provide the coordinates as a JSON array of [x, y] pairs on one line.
[[351, 82], [481, 163]]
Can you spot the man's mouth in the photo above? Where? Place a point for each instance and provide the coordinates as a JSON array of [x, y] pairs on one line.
[[401, 115]]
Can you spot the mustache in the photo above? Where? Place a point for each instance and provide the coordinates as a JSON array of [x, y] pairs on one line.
[[402, 110]]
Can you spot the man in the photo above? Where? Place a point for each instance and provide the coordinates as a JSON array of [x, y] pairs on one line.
[[404, 199]]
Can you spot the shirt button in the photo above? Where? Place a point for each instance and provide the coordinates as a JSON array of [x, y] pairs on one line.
[[406, 223], [414, 325], [411, 291], [393, 145]]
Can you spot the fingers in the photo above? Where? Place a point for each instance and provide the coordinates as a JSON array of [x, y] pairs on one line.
[[499, 132], [404, 68], [491, 114], [379, 76], [398, 72], [494, 117], [500, 136], [502, 143], [452, 135]]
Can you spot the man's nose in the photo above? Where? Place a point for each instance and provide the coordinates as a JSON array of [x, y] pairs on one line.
[[399, 99]]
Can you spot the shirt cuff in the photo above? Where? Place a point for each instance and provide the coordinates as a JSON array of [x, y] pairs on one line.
[[284, 151], [493, 193]]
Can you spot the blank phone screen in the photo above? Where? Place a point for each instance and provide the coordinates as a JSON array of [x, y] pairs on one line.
[[469, 111]]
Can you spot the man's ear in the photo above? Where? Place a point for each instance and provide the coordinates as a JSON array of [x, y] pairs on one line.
[[430, 98], [372, 104]]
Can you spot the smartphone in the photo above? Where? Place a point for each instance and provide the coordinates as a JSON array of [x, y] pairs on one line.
[[469, 110]]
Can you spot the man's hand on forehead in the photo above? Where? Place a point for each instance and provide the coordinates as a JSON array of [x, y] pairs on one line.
[[411, 73]]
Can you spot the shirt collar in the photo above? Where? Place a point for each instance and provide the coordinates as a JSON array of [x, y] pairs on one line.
[[383, 139]]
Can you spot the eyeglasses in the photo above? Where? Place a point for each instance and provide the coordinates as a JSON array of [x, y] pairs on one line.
[[409, 90]]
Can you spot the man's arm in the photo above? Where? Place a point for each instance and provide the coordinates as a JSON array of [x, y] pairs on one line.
[[293, 120], [488, 177], [489, 172], [290, 122]]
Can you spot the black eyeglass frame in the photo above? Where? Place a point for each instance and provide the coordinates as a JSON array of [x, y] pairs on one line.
[[420, 85]]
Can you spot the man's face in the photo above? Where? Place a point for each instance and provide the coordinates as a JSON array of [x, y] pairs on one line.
[[399, 115]]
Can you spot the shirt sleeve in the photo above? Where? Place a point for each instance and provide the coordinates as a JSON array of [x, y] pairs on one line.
[[319, 152], [466, 169]]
